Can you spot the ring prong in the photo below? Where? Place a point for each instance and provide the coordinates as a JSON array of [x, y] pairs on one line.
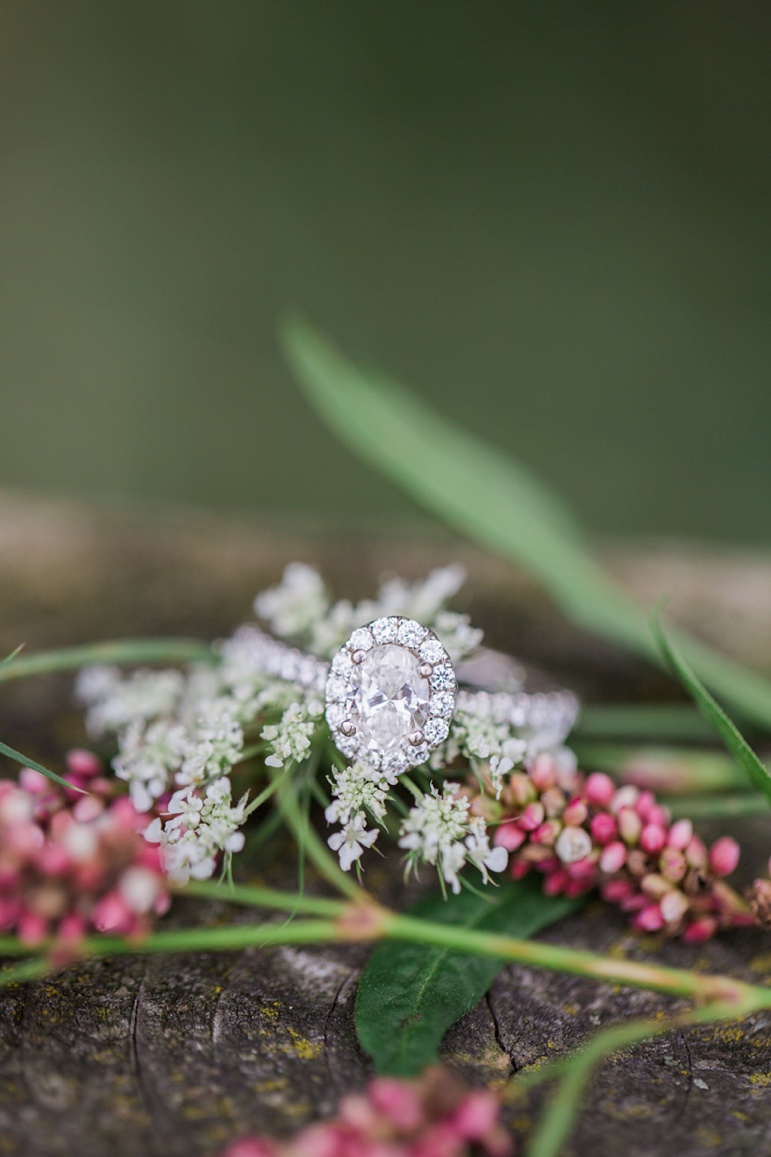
[[347, 728], [358, 657], [425, 670], [417, 738]]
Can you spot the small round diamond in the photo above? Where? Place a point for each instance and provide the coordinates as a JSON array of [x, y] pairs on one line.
[[361, 640], [436, 730], [433, 651], [341, 664], [337, 689], [384, 630], [443, 678], [442, 703], [336, 713], [411, 634]]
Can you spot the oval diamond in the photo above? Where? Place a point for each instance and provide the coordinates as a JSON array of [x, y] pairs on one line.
[[389, 700]]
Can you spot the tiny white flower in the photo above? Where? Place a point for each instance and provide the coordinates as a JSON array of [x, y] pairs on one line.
[[351, 841]]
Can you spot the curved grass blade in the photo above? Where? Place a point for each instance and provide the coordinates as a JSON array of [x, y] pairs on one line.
[[410, 994], [711, 710], [17, 757], [484, 495]]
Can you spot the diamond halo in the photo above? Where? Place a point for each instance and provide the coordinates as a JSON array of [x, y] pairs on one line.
[[391, 694]]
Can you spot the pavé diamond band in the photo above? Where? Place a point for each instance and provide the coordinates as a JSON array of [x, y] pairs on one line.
[[392, 690]]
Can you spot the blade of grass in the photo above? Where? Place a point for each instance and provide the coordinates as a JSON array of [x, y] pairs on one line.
[[114, 651], [711, 709], [481, 493], [25, 761]]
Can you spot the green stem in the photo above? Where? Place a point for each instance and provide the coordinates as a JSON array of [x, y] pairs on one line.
[[575, 1070], [253, 897], [20, 973], [310, 842], [115, 651], [671, 981]]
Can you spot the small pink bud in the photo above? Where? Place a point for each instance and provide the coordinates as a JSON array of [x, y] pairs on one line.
[[629, 825], [521, 789], [599, 789], [696, 853], [649, 919], [672, 864], [576, 813], [543, 772], [645, 802], [546, 833], [603, 828], [83, 763], [674, 906], [702, 929], [531, 817], [519, 868], [509, 836], [555, 883], [724, 856], [625, 796], [397, 1100], [653, 838], [680, 835], [658, 815], [476, 1115], [553, 801], [613, 858], [655, 886], [585, 869], [616, 891], [32, 929]]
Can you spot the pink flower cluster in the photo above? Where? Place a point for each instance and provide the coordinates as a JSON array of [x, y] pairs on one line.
[[430, 1116], [584, 832], [71, 863]]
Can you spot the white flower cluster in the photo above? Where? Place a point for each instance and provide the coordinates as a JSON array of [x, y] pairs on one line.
[[440, 831], [290, 739], [201, 826], [299, 610], [356, 791]]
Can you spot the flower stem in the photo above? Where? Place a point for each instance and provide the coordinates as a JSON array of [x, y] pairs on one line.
[[264, 898], [575, 1070], [114, 651]]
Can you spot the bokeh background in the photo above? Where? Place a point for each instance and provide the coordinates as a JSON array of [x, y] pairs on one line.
[[551, 219]]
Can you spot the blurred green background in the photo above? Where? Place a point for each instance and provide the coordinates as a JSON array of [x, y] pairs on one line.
[[551, 219]]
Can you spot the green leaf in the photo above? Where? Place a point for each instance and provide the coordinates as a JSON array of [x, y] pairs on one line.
[[410, 994], [17, 757], [483, 494], [711, 710]]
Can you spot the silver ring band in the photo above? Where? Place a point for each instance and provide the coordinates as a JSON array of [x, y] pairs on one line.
[[552, 713]]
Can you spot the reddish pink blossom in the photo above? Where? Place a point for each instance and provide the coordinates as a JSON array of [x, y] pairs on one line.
[[432, 1115], [73, 863], [585, 832]]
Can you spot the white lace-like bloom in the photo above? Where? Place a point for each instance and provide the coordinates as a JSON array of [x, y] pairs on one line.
[[500, 767], [296, 604], [357, 789], [351, 841], [457, 634], [199, 829], [439, 831], [291, 738], [215, 745], [114, 702], [480, 854], [147, 757]]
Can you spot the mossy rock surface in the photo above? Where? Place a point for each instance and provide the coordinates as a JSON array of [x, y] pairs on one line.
[[177, 1055]]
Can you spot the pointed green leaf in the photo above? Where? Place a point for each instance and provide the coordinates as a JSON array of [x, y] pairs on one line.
[[410, 994], [711, 710], [17, 757], [484, 495]]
